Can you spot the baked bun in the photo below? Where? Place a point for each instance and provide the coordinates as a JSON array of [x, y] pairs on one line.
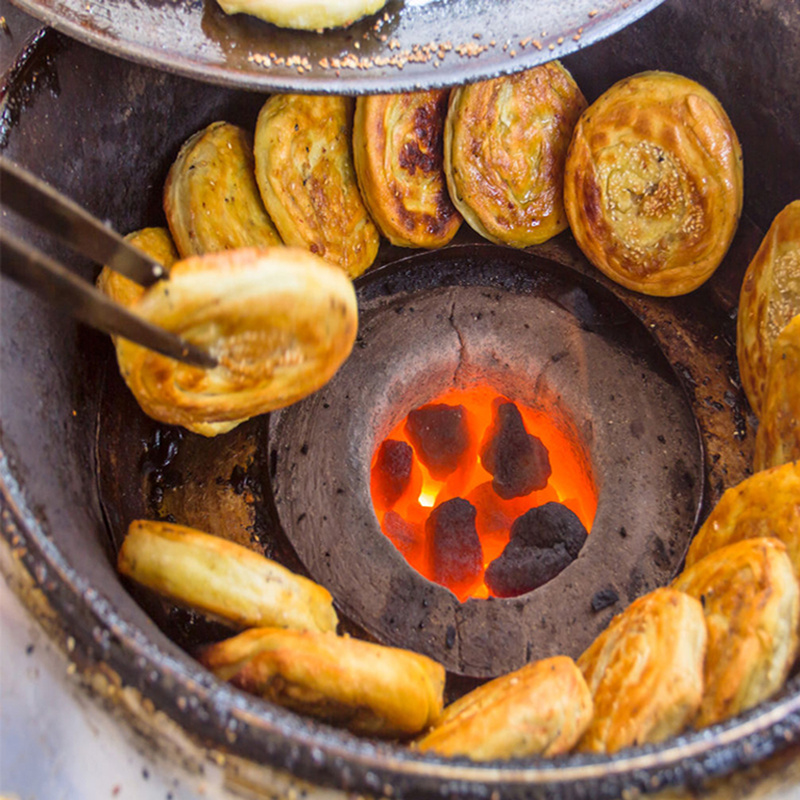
[[307, 15], [158, 244], [398, 154], [769, 298], [505, 145], [653, 183], [541, 709], [778, 435], [765, 504], [154, 242], [304, 169], [280, 322], [368, 688], [752, 605], [645, 672], [221, 579], [211, 200]]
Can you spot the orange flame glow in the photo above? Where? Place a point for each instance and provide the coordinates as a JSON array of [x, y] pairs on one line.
[[570, 483]]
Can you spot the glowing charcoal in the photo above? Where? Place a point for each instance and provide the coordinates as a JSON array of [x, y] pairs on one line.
[[405, 536], [456, 556], [543, 542], [517, 460], [392, 472], [440, 437]]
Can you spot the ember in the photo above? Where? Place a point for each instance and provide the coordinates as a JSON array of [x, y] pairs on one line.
[[482, 495], [544, 541]]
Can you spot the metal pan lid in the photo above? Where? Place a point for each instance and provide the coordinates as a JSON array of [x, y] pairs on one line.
[[409, 44]]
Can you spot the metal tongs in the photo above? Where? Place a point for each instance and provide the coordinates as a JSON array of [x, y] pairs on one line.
[[39, 203]]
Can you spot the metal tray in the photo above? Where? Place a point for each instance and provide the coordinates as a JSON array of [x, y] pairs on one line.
[[410, 44]]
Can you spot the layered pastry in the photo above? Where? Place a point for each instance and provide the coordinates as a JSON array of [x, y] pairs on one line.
[[304, 170], [751, 600], [158, 244], [645, 672], [653, 183], [154, 242], [211, 199], [505, 146], [541, 709], [221, 579], [778, 436], [279, 321], [368, 688], [769, 298], [308, 15], [398, 153], [765, 504]]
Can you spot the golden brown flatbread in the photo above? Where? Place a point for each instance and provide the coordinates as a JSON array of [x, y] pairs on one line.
[[778, 435], [645, 672], [304, 170], [769, 298], [751, 600], [541, 709], [307, 15], [211, 199], [280, 322], [765, 504], [221, 579], [398, 152], [506, 141], [368, 688], [154, 242], [653, 183]]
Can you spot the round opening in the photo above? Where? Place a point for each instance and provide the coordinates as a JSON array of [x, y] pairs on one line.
[[559, 346]]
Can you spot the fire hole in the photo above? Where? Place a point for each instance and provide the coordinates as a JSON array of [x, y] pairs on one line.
[[483, 495]]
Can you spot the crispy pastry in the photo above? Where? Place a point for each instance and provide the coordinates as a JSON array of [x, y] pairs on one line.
[[158, 244], [752, 605], [304, 169], [769, 298], [778, 435], [653, 183], [309, 15], [211, 199], [368, 688], [505, 145], [398, 154], [280, 322], [541, 709], [645, 672], [222, 579], [765, 504], [154, 242]]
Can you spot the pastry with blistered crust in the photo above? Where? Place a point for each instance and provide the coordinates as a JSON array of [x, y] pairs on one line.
[[506, 141], [645, 672], [653, 183], [154, 242], [751, 600], [769, 298], [368, 688], [222, 579], [211, 199], [778, 435], [398, 154], [158, 244], [541, 709], [765, 504], [304, 169], [279, 321], [308, 15]]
